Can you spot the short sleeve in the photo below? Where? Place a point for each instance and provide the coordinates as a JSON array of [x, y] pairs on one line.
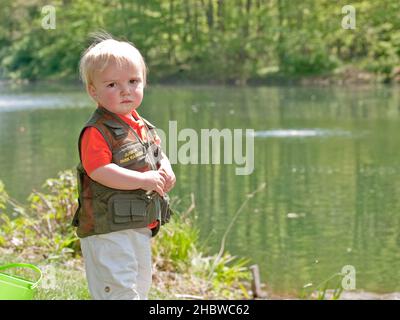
[[95, 152]]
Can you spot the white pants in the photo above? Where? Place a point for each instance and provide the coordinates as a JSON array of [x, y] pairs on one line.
[[118, 264]]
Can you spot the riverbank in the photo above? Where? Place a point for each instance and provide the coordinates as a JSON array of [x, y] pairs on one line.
[[66, 280], [344, 76], [41, 233]]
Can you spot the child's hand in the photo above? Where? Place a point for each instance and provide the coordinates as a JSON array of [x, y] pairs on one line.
[[154, 181], [170, 179]]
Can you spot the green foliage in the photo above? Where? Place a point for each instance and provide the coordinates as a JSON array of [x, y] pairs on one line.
[[306, 57], [332, 285], [44, 225], [3, 196], [177, 249], [176, 241], [224, 41], [224, 274], [42, 230]]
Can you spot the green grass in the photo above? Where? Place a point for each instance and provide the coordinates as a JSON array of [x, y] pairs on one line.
[[41, 234], [61, 281]]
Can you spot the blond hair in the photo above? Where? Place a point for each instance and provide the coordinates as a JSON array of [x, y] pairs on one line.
[[105, 50]]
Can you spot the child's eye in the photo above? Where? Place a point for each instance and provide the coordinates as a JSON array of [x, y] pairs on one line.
[[133, 81], [111, 85]]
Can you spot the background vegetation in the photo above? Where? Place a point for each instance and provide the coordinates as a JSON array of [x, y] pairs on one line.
[[41, 233], [206, 40]]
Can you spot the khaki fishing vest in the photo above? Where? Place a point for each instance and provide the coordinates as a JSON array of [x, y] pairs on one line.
[[102, 209]]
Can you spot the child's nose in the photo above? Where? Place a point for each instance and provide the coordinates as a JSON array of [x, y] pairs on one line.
[[124, 89]]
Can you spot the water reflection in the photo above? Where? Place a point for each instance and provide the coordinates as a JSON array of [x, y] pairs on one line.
[[301, 133], [20, 101], [330, 157]]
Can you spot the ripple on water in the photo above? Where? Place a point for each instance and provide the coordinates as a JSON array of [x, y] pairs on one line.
[[27, 102], [302, 133]]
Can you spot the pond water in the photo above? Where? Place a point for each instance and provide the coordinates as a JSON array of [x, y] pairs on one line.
[[329, 157]]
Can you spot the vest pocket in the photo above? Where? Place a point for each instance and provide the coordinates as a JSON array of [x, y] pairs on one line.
[[166, 211], [127, 208], [117, 129]]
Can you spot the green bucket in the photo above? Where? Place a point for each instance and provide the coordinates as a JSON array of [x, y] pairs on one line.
[[17, 288]]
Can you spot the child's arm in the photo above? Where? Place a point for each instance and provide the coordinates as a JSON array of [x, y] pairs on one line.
[[116, 177]]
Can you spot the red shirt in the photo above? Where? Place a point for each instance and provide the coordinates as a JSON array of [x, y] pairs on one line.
[[95, 152]]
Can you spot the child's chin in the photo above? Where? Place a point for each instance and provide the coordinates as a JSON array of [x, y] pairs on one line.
[[127, 106]]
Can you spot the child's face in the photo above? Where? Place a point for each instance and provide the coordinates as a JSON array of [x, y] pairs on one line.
[[118, 89]]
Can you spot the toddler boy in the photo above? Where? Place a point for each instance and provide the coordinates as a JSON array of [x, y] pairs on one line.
[[123, 176]]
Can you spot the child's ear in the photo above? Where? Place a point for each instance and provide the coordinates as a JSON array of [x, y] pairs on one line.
[[92, 91]]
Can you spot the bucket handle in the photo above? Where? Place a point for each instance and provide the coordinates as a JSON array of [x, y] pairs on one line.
[[25, 265]]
